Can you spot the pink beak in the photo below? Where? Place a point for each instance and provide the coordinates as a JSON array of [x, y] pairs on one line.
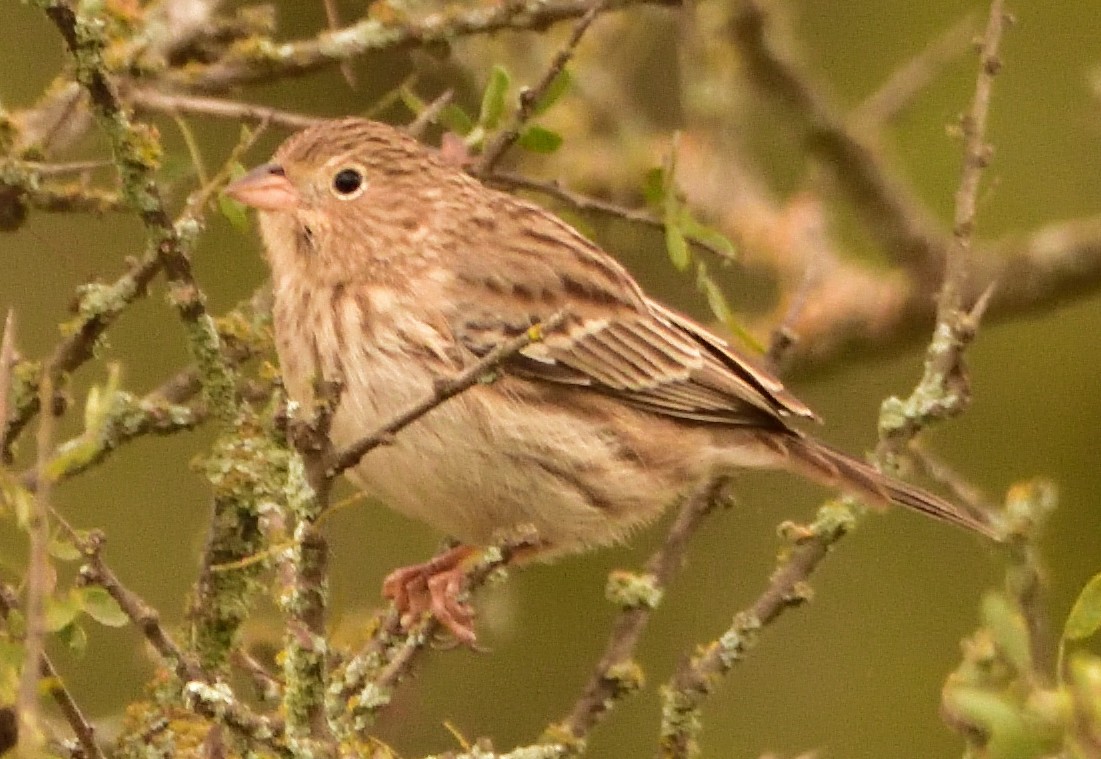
[[266, 187]]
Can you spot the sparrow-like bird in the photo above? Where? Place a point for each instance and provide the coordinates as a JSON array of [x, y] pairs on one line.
[[393, 268]]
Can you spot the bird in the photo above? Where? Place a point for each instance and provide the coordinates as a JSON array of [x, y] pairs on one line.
[[392, 267]]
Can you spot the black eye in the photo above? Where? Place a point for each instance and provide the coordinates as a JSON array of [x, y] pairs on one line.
[[347, 181]]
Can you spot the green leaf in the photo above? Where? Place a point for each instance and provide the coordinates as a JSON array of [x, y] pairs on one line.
[[100, 606], [555, 90], [695, 230], [61, 611], [1085, 616], [716, 299], [653, 187], [493, 99], [456, 119], [75, 638], [537, 139], [1007, 626], [63, 549], [411, 101], [233, 211], [677, 246], [720, 307]]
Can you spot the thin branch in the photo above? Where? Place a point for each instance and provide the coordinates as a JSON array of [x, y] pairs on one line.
[[611, 678], [204, 695], [169, 242], [696, 678], [507, 136], [443, 390], [149, 99], [266, 60], [37, 587], [83, 730], [7, 363], [858, 309], [906, 229], [944, 390], [904, 84], [416, 127], [588, 204]]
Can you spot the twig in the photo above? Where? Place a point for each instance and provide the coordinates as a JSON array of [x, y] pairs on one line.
[[37, 586], [203, 694], [364, 684], [149, 99], [906, 229], [529, 98], [83, 730], [7, 363], [169, 242], [694, 680], [585, 203], [611, 677], [332, 16], [416, 127], [267, 60], [443, 390], [914, 75], [943, 390]]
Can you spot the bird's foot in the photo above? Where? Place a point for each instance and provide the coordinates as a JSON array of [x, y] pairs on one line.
[[434, 587]]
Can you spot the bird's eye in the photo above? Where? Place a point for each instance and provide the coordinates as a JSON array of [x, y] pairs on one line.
[[348, 183]]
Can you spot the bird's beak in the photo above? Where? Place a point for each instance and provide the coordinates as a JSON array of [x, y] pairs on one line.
[[266, 187]]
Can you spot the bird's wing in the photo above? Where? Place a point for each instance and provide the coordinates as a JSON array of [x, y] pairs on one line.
[[614, 339]]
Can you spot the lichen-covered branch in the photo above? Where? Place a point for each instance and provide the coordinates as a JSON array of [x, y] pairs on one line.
[[264, 60], [943, 390], [684, 694], [616, 674]]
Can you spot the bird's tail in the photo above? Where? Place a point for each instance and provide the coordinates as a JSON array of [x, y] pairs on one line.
[[840, 471]]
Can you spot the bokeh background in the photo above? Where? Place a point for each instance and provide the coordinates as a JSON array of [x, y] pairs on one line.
[[856, 673]]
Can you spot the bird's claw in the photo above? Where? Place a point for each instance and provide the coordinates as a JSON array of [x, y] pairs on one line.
[[434, 587]]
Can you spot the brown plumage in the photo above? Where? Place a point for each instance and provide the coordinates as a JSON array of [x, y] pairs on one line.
[[392, 267]]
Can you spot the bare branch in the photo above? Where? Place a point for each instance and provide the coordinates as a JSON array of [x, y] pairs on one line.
[[914, 75], [906, 229], [149, 99]]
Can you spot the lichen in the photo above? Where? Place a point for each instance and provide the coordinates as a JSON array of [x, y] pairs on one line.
[[629, 590]]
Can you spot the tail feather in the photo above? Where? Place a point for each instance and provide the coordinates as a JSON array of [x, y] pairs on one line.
[[841, 471]]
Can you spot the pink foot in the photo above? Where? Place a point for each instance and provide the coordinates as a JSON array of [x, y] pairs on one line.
[[434, 587]]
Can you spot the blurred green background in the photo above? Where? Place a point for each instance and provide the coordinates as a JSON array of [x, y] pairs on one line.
[[856, 673]]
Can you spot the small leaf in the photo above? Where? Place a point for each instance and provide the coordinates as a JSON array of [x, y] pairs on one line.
[[555, 90], [716, 299], [493, 99], [63, 549], [411, 101], [1007, 626], [11, 655], [540, 140], [61, 611], [695, 230], [100, 606], [1085, 616], [677, 246], [653, 187], [233, 211], [456, 119], [75, 638]]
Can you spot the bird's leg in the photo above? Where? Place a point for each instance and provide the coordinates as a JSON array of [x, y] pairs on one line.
[[434, 586]]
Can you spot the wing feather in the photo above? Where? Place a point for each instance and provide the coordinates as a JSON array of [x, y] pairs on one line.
[[615, 339]]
